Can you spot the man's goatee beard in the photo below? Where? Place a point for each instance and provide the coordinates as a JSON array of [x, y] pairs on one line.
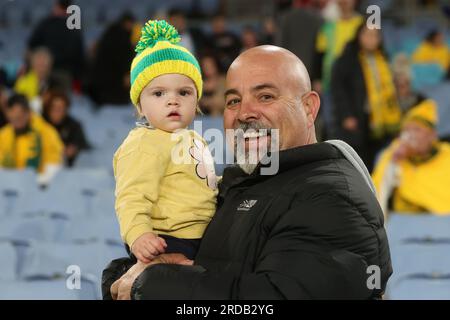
[[248, 168], [247, 165]]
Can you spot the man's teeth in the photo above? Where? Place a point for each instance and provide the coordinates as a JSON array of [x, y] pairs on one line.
[[252, 135]]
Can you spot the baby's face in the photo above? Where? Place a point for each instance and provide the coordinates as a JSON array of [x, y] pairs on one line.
[[169, 102]]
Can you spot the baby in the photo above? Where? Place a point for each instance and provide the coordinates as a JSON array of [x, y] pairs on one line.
[[164, 205]]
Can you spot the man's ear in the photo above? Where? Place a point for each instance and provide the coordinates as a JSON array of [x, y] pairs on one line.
[[312, 106]]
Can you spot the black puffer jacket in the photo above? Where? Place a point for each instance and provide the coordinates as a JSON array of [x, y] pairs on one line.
[[309, 232]]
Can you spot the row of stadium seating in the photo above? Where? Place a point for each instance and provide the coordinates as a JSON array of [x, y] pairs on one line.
[[420, 246], [43, 232]]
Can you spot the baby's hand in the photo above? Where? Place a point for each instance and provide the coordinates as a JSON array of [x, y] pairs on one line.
[[148, 246]]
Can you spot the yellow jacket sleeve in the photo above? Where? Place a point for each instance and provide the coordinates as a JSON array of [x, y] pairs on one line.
[[138, 175], [52, 147]]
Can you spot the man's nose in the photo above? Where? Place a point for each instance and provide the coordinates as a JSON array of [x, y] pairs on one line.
[[248, 111]]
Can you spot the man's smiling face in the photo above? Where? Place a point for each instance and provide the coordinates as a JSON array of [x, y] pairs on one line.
[[267, 88]]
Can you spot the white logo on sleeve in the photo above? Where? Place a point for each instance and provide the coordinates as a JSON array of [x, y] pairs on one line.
[[246, 205]]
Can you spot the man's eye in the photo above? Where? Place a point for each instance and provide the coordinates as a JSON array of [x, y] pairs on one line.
[[158, 93], [266, 97], [232, 102]]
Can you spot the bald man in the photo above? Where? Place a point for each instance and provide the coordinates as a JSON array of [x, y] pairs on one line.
[[311, 230]]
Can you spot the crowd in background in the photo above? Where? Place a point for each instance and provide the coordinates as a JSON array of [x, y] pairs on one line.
[[366, 93]]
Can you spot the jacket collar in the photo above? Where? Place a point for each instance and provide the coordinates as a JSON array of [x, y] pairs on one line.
[[288, 159]]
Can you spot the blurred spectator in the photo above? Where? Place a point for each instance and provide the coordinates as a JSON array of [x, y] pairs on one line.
[[35, 80], [3, 102], [433, 50], [191, 38], [329, 9], [110, 71], [407, 97], [56, 112], [298, 32], [269, 31], [29, 141], [213, 101], [224, 44], [401, 64], [413, 173], [53, 85], [65, 45], [366, 110], [249, 38], [330, 43]]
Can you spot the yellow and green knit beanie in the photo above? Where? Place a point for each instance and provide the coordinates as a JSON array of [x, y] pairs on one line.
[[158, 53]]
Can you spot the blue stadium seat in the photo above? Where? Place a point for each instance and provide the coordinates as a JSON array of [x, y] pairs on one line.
[[37, 290], [95, 229], [17, 179], [402, 228], [110, 125], [50, 260], [420, 287], [75, 180], [410, 45], [432, 259], [423, 25], [440, 94], [103, 204], [48, 289], [29, 229], [8, 261], [14, 184], [426, 75], [81, 110], [418, 265], [63, 199], [95, 158]]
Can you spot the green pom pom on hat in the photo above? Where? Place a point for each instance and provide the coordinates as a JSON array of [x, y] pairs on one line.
[[158, 53], [154, 31]]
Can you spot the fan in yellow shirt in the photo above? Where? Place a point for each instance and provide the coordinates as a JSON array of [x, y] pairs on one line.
[[414, 172], [433, 50], [165, 180], [33, 82], [29, 142]]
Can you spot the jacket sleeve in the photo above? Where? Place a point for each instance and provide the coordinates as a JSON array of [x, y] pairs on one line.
[[77, 137], [52, 147], [294, 263]]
